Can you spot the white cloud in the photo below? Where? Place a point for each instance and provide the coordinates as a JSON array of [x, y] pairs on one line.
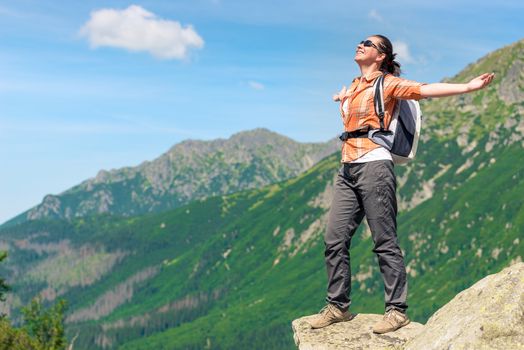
[[373, 14], [256, 85], [402, 51], [137, 29]]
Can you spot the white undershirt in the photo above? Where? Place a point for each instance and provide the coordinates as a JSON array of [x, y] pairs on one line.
[[379, 153]]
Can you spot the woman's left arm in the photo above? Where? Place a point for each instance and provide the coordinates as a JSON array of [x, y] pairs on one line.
[[447, 89]]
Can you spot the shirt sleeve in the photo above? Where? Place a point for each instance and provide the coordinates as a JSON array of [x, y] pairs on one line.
[[402, 88]]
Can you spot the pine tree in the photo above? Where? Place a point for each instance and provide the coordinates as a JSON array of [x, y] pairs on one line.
[[3, 286], [46, 326], [43, 328]]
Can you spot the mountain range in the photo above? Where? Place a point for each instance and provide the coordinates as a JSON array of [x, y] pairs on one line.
[[190, 170]]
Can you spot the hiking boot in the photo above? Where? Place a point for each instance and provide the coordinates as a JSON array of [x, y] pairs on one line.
[[327, 315], [392, 320]]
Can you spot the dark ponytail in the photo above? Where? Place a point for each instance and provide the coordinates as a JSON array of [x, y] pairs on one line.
[[389, 65]]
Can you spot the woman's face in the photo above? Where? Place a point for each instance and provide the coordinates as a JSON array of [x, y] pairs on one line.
[[366, 55]]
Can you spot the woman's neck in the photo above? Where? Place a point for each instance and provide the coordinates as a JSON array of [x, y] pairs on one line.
[[365, 70]]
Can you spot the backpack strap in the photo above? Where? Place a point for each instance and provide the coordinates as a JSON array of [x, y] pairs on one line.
[[378, 87]]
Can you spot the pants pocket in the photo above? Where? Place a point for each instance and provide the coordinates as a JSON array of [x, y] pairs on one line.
[[381, 199], [383, 189]]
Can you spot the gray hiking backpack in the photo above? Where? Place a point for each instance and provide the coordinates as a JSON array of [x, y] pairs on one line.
[[401, 136]]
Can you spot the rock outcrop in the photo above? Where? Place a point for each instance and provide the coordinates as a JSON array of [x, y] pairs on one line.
[[356, 334], [488, 315]]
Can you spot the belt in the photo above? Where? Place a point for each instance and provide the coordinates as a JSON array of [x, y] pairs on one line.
[[353, 134]]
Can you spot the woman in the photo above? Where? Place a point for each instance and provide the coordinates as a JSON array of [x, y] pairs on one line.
[[366, 184]]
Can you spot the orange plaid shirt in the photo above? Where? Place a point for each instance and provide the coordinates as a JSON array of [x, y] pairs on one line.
[[358, 111]]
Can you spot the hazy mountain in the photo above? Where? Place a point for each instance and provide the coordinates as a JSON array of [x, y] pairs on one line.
[[190, 170], [232, 271]]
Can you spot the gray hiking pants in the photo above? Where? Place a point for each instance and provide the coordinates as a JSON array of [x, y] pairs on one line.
[[365, 189]]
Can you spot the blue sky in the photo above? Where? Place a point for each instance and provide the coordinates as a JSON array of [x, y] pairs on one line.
[[73, 102]]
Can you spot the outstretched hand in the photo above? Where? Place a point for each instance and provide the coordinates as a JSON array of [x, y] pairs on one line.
[[340, 95], [480, 82]]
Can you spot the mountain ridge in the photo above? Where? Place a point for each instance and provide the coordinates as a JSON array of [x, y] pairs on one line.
[[191, 169]]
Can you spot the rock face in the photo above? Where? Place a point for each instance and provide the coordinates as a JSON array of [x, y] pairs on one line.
[[488, 315], [356, 334]]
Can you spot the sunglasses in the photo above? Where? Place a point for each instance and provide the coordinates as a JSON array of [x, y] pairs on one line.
[[369, 43]]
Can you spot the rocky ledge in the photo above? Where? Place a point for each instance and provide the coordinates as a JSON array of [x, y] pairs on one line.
[[488, 315], [356, 334]]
